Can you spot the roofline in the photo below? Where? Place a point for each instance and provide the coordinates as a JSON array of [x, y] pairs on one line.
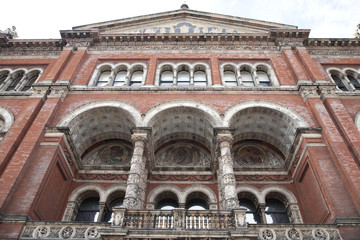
[[216, 16]]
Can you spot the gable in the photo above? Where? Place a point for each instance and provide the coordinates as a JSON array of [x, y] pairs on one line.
[[184, 21]]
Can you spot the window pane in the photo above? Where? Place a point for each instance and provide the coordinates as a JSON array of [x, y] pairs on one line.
[[230, 78], [264, 79], [246, 78], [88, 210], [103, 78], [120, 78], [30, 82], [200, 78], [275, 212], [118, 202], [183, 78], [354, 82], [251, 213], [136, 78], [338, 82], [166, 78], [15, 82], [3, 77], [197, 204], [167, 204]]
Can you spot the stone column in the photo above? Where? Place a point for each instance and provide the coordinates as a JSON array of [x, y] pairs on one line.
[[226, 178], [261, 212], [101, 212], [135, 181]]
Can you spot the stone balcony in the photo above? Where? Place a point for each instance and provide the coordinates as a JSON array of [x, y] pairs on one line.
[[177, 223]]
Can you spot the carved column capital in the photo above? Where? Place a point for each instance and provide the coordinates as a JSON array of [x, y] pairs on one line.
[[327, 91], [59, 91], [309, 92], [40, 91]]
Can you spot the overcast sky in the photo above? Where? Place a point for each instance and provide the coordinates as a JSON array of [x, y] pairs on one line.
[[42, 19]]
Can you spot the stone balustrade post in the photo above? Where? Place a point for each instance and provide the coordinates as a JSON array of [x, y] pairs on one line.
[[227, 183], [240, 217], [135, 181], [118, 217]]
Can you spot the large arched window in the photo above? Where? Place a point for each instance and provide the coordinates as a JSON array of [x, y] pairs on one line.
[[246, 78], [103, 79], [17, 78], [263, 77], [183, 78], [136, 78], [275, 212], [166, 201], [166, 78], [88, 210], [197, 201], [120, 78], [230, 78], [251, 212], [200, 78]]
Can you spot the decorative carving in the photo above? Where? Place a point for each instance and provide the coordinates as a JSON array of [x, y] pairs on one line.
[[78, 43], [293, 234], [267, 234], [58, 92], [320, 234], [240, 218], [119, 217], [40, 91], [327, 91], [10, 32], [182, 177], [294, 214], [290, 43], [41, 232], [117, 177], [331, 52], [178, 218], [261, 178], [92, 233], [67, 232], [309, 92]]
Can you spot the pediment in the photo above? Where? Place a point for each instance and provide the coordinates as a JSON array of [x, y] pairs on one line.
[[183, 21]]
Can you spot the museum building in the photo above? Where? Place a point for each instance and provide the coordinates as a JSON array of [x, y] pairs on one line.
[[180, 125]]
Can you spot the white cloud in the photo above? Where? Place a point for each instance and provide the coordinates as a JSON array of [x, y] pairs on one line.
[[44, 19]]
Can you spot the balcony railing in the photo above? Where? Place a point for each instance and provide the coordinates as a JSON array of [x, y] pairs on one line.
[[174, 219], [177, 223]]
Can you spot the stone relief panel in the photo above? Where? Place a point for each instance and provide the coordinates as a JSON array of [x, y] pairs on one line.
[[253, 155], [109, 155], [182, 155]]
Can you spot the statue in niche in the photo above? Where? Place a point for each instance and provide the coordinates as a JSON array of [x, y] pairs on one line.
[[250, 155]]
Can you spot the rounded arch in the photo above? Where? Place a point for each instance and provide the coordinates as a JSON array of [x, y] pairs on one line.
[[251, 189], [203, 189], [131, 110], [212, 114], [78, 192], [335, 71], [7, 117], [357, 120], [231, 112], [247, 67], [165, 188], [112, 190], [289, 196], [105, 66]]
